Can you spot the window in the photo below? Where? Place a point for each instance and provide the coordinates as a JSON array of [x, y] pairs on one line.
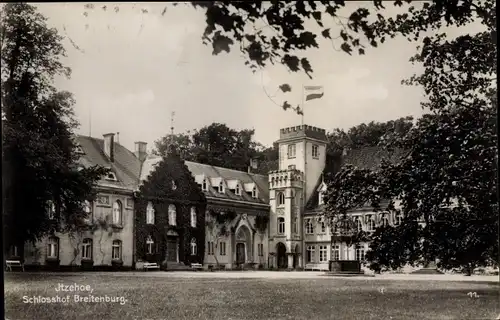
[[116, 253], [309, 226], [53, 248], [204, 185], [238, 190], [310, 254], [14, 251], [291, 167], [371, 223], [260, 249], [385, 220], [322, 225], [87, 249], [254, 192], [323, 253], [359, 225], [172, 215], [193, 247], [117, 213], [87, 209], [315, 151], [336, 252], [111, 176], [150, 245], [150, 214], [221, 187], [281, 199], [210, 248], [51, 209], [399, 218], [193, 217], [281, 225], [222, 249], [295, 225], [360, 253], [291, 151]]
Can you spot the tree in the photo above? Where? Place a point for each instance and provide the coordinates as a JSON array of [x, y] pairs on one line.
[[219, 145], [39, 158], [349, 189], [218, 224], [277, 32]]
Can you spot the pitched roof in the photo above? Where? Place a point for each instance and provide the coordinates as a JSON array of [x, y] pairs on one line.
[[260, 181], [370, 157], [363, 158], [125, 166]]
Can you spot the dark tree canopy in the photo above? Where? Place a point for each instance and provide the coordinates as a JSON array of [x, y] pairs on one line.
[[39, 158], [219, 145]]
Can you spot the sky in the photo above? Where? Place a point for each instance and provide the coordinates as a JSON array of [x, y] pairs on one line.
[[131, 70]]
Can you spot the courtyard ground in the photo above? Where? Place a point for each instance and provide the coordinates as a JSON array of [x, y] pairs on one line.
[[252, 295]]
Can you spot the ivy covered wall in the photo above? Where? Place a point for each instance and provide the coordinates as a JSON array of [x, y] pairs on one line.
[[170, 183]]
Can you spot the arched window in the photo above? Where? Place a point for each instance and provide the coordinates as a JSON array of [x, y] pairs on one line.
[[193, 247], [87, 249], [117, 213], [193, 217], [87, 209], [150, 214], [281, 225], [53, 248], [116, 253], [150, 245], [172, 215], [281, 199]]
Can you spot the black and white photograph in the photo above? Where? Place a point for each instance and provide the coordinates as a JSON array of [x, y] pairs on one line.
[[244, 160]]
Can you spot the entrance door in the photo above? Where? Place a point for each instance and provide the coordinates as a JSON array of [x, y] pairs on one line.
[[282, 258], [172, 249], [240, 253]]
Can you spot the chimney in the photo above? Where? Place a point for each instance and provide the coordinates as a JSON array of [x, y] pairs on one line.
[[254, 164], [109, 145], [140, 150]]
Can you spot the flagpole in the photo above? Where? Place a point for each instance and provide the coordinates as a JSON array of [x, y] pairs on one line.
[[303, 102]]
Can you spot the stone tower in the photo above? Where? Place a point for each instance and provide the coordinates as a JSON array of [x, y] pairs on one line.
[[302, 151]]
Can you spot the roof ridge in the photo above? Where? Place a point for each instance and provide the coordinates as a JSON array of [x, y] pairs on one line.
[[218, 167]]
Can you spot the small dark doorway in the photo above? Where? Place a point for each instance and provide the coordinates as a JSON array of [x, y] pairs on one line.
[[281, 255], [296, 257], [240, 253], [172, 249]]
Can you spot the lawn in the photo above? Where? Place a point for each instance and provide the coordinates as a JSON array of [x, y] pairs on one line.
[[157, 298]]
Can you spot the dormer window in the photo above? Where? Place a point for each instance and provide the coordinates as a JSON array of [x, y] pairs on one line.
[[204, 185], [221, 187], [237, 190], [254, 192], [79, 150], [321, 196], [111, 176]]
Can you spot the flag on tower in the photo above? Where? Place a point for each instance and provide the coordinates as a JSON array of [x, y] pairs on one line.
[[313, 92]]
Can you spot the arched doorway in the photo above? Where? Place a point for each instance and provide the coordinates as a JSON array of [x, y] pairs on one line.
[[243, 245], [281, 255], [296, 254]]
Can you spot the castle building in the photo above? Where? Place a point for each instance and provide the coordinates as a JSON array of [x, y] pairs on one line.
[[174, 212]]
